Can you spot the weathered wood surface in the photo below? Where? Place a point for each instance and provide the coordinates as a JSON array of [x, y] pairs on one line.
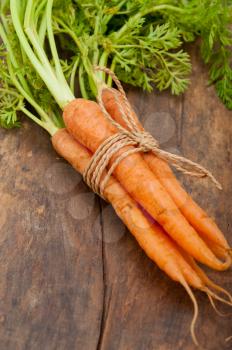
[[71, 276]]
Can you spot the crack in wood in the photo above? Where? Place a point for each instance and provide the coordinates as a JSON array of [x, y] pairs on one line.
[[102, 323]]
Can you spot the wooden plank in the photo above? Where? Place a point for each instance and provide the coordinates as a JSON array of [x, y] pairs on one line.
[[71, 276], [50, 256]]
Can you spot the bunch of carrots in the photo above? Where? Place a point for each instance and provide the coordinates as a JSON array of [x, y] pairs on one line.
[[166, 222], [177, 231]]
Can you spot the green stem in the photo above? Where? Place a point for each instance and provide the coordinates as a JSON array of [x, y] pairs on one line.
[[62, 94], [39, 10], [59, 71], [96, 30], [82, 82], [85, 59], [73, 75], [39, 110], [30, 30], [117, 46], [49, 127], [102, 63], [43, 29], [56, 117], [4, 21], [112, 68], [23, 40], [46, 122]]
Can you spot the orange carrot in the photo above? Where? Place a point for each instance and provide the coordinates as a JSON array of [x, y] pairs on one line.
[[86, 122], [190, 209], [150, 236], [193, 213]]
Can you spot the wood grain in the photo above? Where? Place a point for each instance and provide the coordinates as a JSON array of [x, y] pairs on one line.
[[71, 276]]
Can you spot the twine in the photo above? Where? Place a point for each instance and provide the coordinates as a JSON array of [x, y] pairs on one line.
[[96, 174]]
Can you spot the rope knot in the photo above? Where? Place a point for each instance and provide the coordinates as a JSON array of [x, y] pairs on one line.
[[144, 140]]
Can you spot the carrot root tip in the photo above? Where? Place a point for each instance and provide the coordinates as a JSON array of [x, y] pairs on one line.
[[195, 314], [228, 338], [220, 289], [222, 314], [216, 296]]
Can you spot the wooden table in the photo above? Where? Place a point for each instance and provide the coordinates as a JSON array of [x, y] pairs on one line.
[[71, 276]]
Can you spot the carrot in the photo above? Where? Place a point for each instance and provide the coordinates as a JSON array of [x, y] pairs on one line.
[[190, 273], [150, 236], [191, 210], [86, 122]]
